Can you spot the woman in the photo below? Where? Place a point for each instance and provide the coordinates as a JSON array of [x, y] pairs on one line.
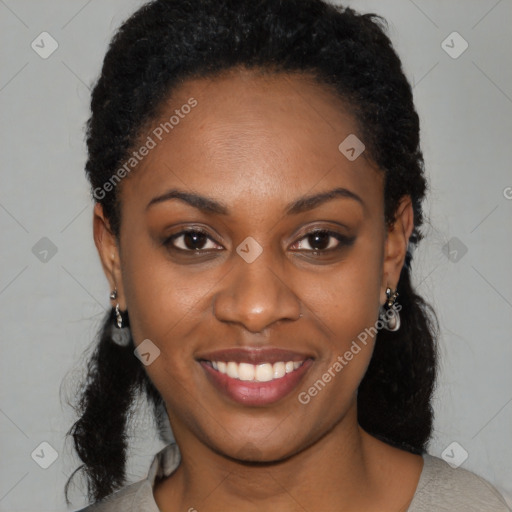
[[258, 183]]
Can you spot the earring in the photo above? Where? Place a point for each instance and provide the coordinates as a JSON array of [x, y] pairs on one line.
[[391, 297], [119, 318], [120, 331], [389, 314]]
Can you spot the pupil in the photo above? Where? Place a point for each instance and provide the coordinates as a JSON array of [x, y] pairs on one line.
[[194, 240], [319, 240]]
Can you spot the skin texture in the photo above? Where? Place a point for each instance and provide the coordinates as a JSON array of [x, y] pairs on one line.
[[257, 143]]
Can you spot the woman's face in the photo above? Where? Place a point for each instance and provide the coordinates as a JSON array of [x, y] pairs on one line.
[[250, 170]]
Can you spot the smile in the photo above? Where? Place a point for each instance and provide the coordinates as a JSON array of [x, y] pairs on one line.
[[264, 372], [255, 377]]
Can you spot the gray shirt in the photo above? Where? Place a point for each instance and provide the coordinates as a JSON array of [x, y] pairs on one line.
[[440, 489]]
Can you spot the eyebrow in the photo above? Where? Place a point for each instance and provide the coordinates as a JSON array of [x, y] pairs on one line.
[[209, 205], [203, 203], [307, 203]]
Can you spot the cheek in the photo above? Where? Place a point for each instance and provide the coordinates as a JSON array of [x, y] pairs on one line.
[[345, 304], [159, 293], [165, 305], [346, 300]]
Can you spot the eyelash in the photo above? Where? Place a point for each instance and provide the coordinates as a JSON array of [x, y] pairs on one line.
[[343, 241]]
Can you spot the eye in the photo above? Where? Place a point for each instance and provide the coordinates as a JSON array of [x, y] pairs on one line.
[[191, 240], [322, 240]]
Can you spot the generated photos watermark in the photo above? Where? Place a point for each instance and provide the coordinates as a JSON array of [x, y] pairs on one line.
[[304, 397], [151, 142]]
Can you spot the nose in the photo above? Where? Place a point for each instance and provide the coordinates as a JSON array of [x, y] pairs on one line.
[[255, 296]]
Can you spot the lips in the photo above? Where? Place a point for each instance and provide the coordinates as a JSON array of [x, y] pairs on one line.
[[255, 377]]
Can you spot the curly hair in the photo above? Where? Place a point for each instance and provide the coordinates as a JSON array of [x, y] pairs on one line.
[[169, 41]]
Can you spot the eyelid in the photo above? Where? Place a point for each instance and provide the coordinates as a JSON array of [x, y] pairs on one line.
[[325, 226]]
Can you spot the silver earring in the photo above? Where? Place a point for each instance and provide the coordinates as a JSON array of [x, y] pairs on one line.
[[119, 318], [120, 331], [120, 328], [389, 314]]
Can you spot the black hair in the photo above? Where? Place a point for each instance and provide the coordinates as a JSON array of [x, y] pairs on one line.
[[168, 41]]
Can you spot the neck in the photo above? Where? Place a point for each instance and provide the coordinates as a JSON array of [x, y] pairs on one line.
[[337, 472]]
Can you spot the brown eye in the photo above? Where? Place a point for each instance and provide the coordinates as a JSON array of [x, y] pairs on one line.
[[319, 240], [194, 240], [322, 241], [190, 241]]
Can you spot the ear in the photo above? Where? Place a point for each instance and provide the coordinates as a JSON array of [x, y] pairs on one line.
[[397, 240], [108, 250]]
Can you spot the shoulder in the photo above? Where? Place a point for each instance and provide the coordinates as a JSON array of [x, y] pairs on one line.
[[443, 488], [136, 497]]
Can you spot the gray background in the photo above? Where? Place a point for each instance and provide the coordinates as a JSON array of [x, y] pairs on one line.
[[51, 304]]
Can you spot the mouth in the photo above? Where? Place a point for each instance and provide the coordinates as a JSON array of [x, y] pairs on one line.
[[255, 377]]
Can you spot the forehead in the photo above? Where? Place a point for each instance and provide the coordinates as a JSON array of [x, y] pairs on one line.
[[251, 136]]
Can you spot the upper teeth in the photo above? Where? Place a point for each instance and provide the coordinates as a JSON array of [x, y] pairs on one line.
[[256, 372]]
